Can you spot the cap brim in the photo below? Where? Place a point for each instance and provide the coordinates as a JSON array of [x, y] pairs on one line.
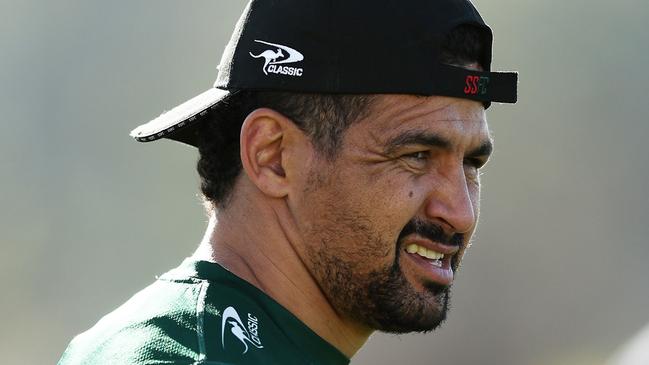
[[177, 123]]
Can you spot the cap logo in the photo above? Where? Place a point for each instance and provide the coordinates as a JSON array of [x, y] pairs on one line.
[[278, 55], [476, 85]]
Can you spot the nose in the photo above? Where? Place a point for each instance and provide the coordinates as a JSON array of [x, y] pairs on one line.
[[453, 201]]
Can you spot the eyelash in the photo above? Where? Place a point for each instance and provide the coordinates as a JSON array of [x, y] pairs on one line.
[[423, 155], [474, 162], [419, 155]]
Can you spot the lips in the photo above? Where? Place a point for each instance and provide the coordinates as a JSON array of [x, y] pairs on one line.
[[433, 260]]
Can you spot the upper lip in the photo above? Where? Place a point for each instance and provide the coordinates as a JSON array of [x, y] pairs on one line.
[[431, 245]]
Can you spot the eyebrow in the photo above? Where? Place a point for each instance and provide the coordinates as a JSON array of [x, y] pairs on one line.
[[485, 149], [419, 138], [434, 140]]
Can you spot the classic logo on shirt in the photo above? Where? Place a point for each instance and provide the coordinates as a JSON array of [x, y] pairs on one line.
[[246, 334], [279, 54]]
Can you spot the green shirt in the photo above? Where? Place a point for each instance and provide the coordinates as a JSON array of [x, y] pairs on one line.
[[200, 313]]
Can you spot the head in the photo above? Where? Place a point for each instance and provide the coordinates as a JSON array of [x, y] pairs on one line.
[[387, 172], [407, 176]]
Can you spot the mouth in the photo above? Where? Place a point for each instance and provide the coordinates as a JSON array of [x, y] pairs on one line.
[[434, 260]]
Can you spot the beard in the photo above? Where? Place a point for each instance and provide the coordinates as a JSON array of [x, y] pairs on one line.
[[383, 298], [398, 308]]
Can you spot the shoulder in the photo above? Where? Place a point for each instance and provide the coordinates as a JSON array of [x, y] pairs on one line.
[[203, 315], [156, 326]]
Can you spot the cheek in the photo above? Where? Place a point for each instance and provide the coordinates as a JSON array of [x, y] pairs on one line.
[[373, 223], [362, 216]]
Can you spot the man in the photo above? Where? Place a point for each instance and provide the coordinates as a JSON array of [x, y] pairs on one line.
[[339, 160]]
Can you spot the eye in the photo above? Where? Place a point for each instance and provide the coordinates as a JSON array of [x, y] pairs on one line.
[[419, 155], [472, 169], [475, 162], [416, 160]]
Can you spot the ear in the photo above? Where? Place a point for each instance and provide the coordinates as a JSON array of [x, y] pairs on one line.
[[266, 138]]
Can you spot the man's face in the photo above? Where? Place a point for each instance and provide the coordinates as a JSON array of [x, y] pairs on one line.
[[403, 191]]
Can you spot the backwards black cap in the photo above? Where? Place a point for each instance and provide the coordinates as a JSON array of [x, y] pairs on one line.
[[341, 47]]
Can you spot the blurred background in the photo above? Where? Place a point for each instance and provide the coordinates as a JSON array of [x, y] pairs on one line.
[[558, 273]]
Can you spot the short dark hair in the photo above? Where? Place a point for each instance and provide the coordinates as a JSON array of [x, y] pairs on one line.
[[322, 117]]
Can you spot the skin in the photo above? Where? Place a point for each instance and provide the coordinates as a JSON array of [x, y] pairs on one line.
[[328, 234]]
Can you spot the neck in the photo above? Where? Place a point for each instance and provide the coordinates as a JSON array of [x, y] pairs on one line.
[[257, 242]]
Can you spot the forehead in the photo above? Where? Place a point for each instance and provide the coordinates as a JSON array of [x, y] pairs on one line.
[[456, 119]]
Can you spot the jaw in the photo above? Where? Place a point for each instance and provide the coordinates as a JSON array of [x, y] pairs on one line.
[[412, 305]]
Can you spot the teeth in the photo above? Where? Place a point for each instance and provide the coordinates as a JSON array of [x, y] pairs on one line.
[[424, 252]]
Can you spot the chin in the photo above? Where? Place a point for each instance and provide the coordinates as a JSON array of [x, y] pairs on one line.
[[395, 306]]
